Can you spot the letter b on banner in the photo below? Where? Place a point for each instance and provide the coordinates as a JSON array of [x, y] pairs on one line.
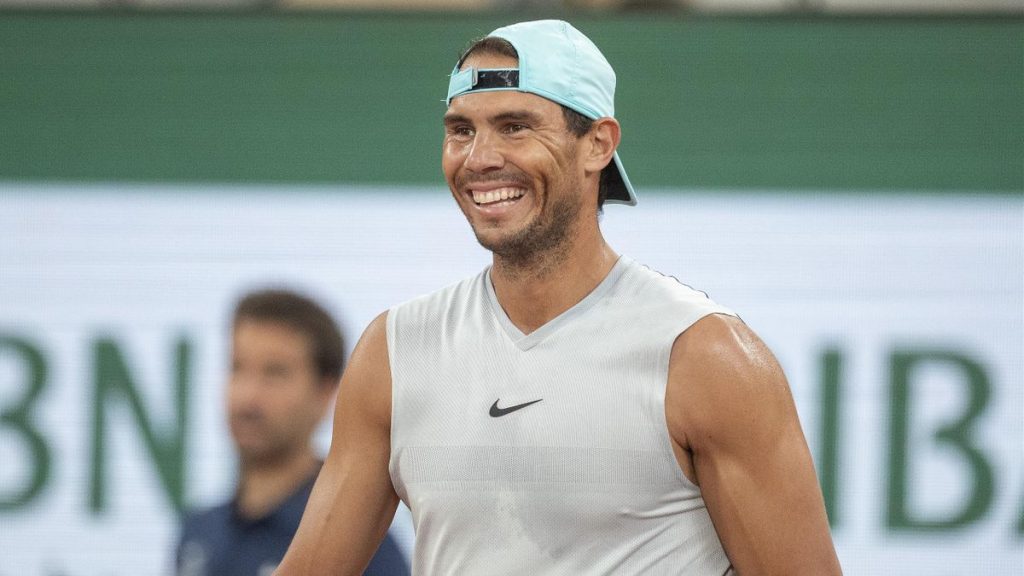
[[955, 435], [16, 419]]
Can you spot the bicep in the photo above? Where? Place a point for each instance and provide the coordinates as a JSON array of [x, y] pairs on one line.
[[353, 500], [729, 406]]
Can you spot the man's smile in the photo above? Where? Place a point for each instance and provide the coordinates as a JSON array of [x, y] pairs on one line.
[[505, 193]]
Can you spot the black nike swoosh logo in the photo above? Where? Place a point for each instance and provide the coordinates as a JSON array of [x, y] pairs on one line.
[[498, 412]]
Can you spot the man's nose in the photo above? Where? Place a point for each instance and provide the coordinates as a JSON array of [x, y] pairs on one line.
[[244, 389], [486, 153]]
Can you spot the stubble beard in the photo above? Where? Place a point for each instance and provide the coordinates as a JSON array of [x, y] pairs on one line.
[[539, 248], [273, 449]]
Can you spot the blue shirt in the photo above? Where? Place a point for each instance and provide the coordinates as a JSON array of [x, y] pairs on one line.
[[220, 542]]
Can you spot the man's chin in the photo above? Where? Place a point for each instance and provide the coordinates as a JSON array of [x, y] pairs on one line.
[[500, 241], [250, 456]]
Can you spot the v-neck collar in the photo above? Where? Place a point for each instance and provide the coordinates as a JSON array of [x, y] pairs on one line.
[[527, 341]]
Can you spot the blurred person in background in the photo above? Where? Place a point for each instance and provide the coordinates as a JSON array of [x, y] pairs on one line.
[[566, 410], [287, 355]]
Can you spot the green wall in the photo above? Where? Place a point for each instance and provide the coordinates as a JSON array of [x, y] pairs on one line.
[[795, 103]]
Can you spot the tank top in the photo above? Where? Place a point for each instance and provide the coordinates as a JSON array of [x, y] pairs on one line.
[[547, 452]]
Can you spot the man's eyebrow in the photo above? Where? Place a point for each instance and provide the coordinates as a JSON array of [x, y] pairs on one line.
[[450, 119], [524, 116]]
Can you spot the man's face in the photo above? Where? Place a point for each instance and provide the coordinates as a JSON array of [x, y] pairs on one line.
[[274, 397], [512, 166]]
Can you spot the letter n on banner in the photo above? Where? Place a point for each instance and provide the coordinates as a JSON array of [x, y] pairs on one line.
[[113, 383]]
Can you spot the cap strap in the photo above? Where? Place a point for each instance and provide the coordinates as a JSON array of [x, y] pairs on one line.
[[474, 79], [504, 78]]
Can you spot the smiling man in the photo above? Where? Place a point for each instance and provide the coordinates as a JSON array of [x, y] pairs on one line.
[[567, 410]]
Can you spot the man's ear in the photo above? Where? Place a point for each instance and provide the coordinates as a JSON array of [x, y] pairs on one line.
[[603, 139]]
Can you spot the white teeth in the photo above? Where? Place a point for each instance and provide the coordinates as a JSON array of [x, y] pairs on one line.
[[492, 196]]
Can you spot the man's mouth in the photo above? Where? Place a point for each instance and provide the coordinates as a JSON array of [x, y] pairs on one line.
[[487, 197]]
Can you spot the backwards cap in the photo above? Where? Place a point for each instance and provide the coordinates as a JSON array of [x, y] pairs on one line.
[[557, 62]]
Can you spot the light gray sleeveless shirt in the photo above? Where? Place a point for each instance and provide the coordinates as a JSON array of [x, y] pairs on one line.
[[546, 453]]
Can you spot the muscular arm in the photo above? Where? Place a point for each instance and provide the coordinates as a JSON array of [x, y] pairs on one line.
[[353, 500], [732, 417]]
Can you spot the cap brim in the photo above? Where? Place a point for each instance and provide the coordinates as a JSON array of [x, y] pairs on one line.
[[620, 191]]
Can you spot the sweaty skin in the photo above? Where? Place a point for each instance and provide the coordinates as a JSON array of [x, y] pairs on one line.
[[736, 434]]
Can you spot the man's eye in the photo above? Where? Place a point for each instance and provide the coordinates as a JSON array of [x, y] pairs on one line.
[[460, 131], [276, 372], [513, 128]]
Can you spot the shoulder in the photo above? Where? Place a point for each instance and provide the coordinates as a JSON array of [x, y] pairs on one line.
[[451, 293], [723, 380], [649, 302], [730, 410], [644, 285], [723, 342], [364, 393], [370, 357], [422, 318]]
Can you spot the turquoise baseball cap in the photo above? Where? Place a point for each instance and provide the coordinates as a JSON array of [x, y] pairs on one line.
[[557, 62]]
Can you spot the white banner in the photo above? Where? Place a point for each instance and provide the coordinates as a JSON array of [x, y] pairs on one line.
[[899, 320]]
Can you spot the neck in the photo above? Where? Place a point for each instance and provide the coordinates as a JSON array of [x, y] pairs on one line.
[[265, 485], [533, 292]]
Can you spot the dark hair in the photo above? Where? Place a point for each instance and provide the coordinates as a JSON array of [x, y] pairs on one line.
[[305, 316], [577, 124]]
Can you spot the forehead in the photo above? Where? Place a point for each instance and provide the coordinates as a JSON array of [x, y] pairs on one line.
[[488, 106], [268, 334]]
